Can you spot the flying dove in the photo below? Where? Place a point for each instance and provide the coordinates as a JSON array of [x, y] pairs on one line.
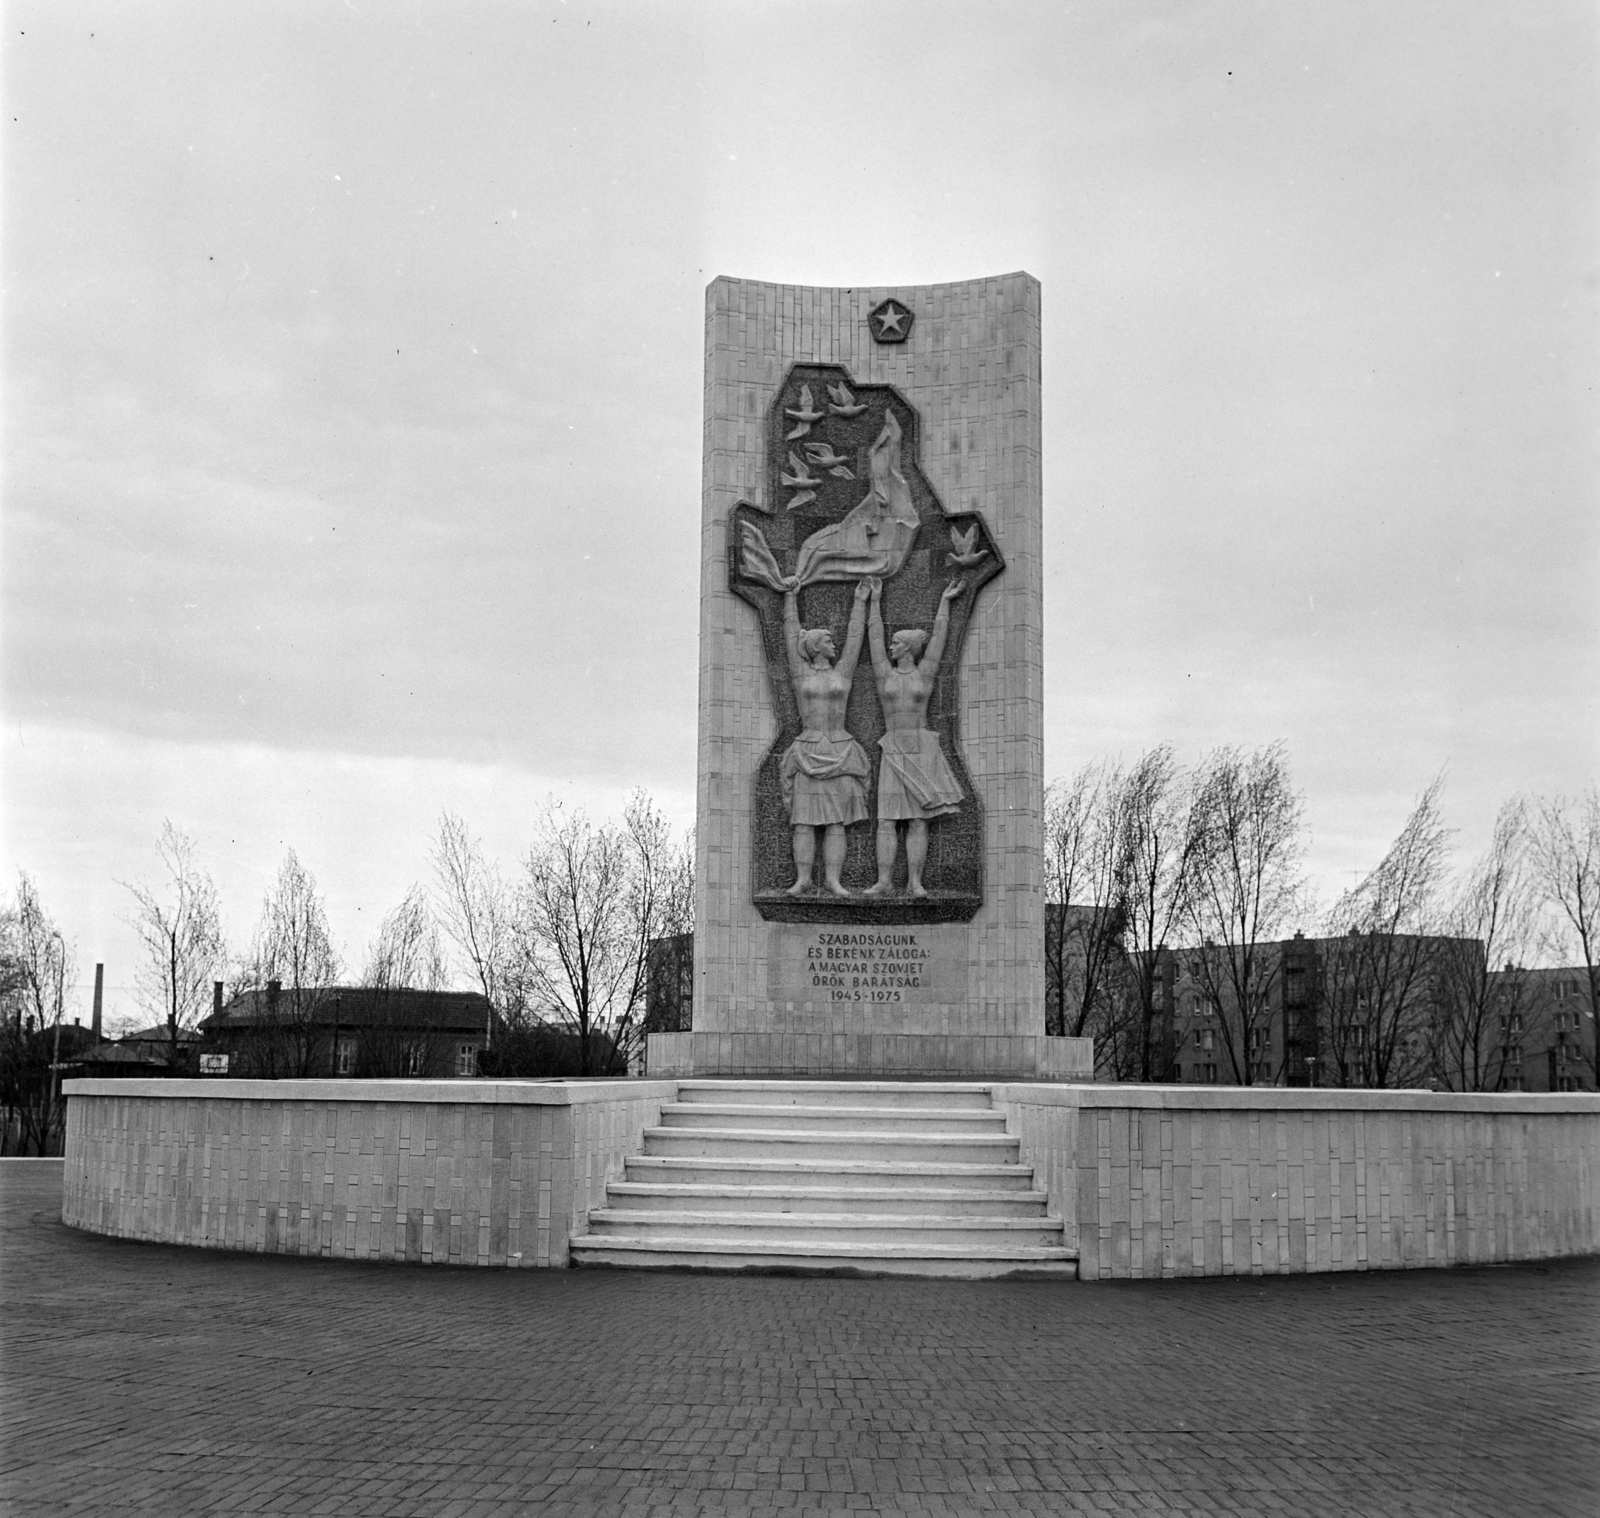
[[822, 456], [806, 411], [799, 476], [805, 498], [842, 403], [964, 544]]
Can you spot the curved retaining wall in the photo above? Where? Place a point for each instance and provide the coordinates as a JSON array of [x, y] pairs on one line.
[[1220, 1180], [441, 1172], [1150, 1180]]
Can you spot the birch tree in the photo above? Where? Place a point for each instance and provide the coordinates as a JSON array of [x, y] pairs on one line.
[[1493, 922], [1242, 887], [1566, 861], [291, 962], [1083, 940], [179, 927], [1382, 955]]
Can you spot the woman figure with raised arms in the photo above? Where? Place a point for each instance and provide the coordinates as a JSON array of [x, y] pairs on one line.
[[824, 770], [914, 779]]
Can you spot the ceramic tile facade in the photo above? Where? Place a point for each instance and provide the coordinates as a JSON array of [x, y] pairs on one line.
[[1171, 1182], [972, 370], [446, 1174]]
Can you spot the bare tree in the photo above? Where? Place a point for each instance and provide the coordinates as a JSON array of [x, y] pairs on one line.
[[1381, 957], [1566, 861], [1242, 888], [291, 966], [480, 916], [1083, 937], [592, 898], [1493, 921], [37, 976], [1152, 864], [407, 955], [179, 928]]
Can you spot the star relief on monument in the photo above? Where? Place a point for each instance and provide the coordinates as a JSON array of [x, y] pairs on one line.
[[890, 321], [863, 808]]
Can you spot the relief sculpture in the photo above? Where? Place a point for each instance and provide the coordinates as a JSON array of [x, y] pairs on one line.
[[827, 561]]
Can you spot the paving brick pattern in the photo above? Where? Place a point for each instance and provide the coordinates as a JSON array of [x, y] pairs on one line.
[[153, 1379]]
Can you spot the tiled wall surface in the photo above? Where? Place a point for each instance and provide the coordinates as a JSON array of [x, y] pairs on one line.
[[972, 369], [442, 1173], [1151, 1181], [1173, 1181], [871, 1056]]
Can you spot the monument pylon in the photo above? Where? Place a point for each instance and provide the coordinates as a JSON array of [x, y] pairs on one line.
[[869, 896]]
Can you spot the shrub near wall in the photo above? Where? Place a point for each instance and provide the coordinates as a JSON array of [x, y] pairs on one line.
[[1183, 1181]]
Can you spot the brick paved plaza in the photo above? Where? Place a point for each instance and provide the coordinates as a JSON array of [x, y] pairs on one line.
[[153, 1379]]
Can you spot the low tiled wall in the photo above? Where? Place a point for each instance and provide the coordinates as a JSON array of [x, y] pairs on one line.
[[1186, 1181], [446, 1172], [1150, 1180]]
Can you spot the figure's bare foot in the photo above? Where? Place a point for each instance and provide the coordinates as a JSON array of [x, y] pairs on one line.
[[881, 888], [799, 888], [839, 888], [918, 889]]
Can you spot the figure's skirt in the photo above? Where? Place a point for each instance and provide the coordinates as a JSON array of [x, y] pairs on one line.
[[914, 780], [824, 779]]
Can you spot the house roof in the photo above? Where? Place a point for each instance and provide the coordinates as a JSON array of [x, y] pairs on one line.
[[354, 1007], [159, 1034]]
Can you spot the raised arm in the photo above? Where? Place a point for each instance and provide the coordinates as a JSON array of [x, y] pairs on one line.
[[852, 639], [791, 637], [880, 654], [941, 628]]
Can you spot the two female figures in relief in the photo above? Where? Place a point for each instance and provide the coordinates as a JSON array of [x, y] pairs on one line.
[[824, 771]]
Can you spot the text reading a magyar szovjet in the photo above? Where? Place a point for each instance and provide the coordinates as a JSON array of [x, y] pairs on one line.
[[871, 967]]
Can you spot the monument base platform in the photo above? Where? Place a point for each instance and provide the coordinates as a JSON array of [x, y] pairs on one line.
[[863, 1056]]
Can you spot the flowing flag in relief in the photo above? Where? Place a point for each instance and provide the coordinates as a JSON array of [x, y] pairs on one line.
[[873, 539]]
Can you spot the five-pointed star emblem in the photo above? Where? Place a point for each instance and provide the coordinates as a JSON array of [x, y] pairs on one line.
[[890, 321]]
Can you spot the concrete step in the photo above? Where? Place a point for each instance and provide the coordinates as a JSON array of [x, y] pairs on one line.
[[965, 1202], [780, 1093], [968, 1262], [778, 1143], [830, 1119], [783, 1228], [812, 1171]]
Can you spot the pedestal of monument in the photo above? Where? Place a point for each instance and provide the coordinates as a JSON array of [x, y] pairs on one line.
[[869, 874]]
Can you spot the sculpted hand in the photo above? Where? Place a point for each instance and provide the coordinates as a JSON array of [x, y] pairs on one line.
[[953, 589], [874, 585], [864, 588]]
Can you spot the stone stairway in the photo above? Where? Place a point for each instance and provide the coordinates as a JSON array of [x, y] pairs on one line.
[[852, 1177]]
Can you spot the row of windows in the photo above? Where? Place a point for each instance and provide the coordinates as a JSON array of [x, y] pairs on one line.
[[416, 1059]]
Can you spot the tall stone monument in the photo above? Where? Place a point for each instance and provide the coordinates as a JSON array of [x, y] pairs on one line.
[[869, 877]]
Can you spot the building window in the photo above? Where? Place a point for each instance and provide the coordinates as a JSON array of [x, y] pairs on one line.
[[345, 1057], [1211, 1074], [466, 1059], [415, 1059]]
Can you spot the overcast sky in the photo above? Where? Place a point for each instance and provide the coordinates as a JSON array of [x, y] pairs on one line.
[[353, 388]]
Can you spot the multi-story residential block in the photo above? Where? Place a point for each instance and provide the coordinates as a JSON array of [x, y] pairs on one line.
[[1543, 1029]]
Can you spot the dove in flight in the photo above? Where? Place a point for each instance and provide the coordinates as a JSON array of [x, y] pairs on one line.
[[842, 403], [964, 543], [822, 456], [806, 411], [799, 474], [805, 498]]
